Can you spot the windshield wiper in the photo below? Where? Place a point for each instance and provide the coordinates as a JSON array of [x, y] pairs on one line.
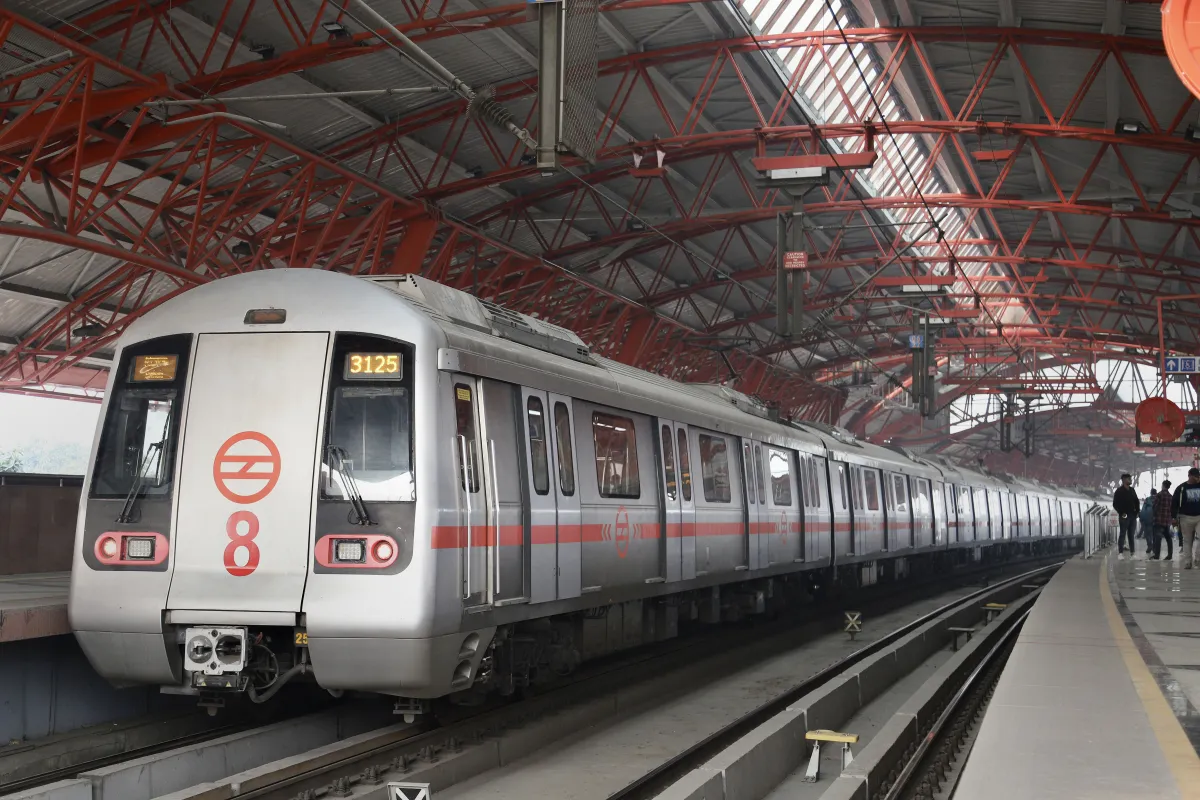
[[130, 507], [351, 485]]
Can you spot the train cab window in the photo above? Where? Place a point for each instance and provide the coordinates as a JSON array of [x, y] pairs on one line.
[[616, 456], [856, 492], [141, 424], [871, 488], [668, 454], [371, 429], [714, 469], [685, 466], [842, 482], [464, 418], [566, 455], [538, 454], [781, 478], [368, 448]]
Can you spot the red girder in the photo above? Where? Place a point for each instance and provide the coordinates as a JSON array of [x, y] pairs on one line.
[[364, 226], [292, 207]]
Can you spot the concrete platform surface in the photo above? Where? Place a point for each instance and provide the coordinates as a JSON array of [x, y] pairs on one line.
[[32, 606], [1077, 712]]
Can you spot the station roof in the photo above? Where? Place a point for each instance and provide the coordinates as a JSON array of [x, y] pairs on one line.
[[1033, 160]]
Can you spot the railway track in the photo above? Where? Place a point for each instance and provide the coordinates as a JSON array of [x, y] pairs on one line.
[[482, 739]]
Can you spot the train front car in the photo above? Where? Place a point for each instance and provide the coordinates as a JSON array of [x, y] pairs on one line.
[[251, 510]]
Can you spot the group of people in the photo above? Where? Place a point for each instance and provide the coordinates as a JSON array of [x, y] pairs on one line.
[[1157, 514]]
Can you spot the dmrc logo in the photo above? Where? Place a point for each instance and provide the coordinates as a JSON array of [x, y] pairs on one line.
[[245, 470]]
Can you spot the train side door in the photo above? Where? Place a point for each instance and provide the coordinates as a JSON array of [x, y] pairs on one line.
[[569, 545], [784, 545], [542, 499], [473, 493], [750, 477], [507, 546]]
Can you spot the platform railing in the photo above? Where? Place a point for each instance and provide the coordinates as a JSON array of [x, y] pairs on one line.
[[1101, 532]]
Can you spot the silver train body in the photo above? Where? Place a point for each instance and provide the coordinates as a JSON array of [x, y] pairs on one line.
[[389, 486]]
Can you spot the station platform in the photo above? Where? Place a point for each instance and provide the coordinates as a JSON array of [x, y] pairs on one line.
[[1090, 703], [33, 606]]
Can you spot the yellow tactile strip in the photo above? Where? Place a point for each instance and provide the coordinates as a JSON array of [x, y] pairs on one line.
[[1176, 748]]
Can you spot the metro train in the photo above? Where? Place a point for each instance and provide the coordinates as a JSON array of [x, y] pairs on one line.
[[384, 484]]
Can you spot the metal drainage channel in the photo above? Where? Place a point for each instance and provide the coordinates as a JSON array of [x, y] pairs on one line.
[[944, 748], [658, 780]]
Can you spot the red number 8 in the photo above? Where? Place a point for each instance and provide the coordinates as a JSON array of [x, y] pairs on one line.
[[237, 540]]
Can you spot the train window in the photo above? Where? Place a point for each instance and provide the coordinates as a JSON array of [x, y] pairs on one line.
[[141, 423], [370, 427], [806, 493], [871, 487], [748, 473], [714, 469], [781, 478], [368, 451], [538, 455], [815, 474], [758, 471], [921, 502], [668, 454], [900, 493], [464, 415], [137, 440], [616, 456], [842, 480], [685, 465], [566, 455]]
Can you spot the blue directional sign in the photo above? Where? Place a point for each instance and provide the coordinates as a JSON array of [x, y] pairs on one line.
[[916, 341], [1180, 365]]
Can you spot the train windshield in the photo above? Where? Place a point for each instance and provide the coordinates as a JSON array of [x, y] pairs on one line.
[[137, 440], [371, 429]]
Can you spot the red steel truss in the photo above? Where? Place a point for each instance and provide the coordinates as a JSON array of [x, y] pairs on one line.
[[213, 195]]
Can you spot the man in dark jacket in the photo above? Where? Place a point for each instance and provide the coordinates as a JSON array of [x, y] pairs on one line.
[[1162, 521], [1186, 508], [1127, 506]]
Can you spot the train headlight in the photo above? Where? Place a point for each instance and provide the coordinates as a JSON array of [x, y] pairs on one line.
[[139, 547], [382, 550], [109, 547], [349, 550]]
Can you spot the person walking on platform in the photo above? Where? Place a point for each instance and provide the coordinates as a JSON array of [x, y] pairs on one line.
[[1185, 507], [1162, 521], [1125, 503], [1146, 521]]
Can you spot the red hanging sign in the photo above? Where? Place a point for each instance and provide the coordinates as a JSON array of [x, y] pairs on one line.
[[795, 260]]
